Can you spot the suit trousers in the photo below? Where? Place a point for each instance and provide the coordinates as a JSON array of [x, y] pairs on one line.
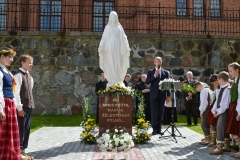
[[24, 124], [221, 126], [191, 111], [205, 126], [157, 111]]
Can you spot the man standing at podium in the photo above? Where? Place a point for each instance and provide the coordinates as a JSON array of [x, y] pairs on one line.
[[157, 97]]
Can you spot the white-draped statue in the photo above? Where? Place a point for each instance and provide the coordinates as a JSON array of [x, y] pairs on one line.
[[114, 51]]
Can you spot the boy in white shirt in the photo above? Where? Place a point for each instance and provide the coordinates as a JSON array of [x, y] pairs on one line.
[[24, 100], [220, 111], [204, 110]]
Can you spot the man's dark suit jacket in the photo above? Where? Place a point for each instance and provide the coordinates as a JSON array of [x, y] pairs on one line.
[[155, 82]]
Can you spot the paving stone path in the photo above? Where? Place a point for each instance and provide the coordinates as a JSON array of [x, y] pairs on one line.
[[62, 143]]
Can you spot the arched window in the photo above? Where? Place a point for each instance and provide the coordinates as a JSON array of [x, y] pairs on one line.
[[215, 8], [101, 9]]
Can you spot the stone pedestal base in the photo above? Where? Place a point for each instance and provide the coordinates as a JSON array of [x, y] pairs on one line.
[[115, 112]]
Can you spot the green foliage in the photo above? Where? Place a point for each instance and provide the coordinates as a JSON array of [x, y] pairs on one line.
[[188, 88], [141, 104]]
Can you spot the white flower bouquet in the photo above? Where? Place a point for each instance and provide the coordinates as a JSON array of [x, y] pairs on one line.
[[117, 140]]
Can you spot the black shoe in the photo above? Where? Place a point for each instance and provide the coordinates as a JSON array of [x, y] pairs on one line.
[[154, 132], [159, 131]]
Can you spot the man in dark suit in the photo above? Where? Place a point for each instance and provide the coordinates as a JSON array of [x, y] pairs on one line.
[[191, 101], [157, 97]]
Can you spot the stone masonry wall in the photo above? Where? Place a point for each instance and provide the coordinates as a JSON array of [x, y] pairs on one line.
[[66, 66]]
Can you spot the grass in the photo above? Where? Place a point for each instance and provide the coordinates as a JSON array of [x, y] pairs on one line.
[[75, 120], [182, 121]]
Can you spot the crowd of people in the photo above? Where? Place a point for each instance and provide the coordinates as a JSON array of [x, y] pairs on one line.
[[16, 103], [219, 109], [155, 99]]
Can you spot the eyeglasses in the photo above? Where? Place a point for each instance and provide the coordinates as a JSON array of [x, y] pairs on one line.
[[11, 57]]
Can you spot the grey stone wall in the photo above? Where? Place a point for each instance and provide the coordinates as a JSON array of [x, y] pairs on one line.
[[66, 66]]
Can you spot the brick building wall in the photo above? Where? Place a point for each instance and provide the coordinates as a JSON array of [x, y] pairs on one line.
[[138, 16]]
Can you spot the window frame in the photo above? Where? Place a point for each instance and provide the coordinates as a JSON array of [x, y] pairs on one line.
[[51, 15], [183, 15], [219, 9], [104, 16], [202, 9], [3, 15]]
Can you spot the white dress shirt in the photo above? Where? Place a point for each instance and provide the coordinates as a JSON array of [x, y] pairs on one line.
[[159, 72], [224, 103], [18, 78], [203, 100]]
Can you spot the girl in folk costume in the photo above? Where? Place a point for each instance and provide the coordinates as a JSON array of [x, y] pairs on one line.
[[211, 120], [9, 134], [233, 126]]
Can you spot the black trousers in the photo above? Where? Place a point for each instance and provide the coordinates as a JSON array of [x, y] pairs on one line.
[[24, 124], [191, 111], [157, 109]]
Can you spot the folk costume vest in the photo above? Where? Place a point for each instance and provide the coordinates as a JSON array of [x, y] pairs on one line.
[[7, 85], [26, 90]]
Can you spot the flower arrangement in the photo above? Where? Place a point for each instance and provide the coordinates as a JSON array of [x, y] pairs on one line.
[[117, 88], [118, 140], [141, 134], [10, 51], [89, 129], [166, 85]]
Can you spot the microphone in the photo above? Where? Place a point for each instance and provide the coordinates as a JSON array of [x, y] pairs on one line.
[[158, 66]]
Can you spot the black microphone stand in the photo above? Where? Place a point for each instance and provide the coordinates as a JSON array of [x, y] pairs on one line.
[[172, 125]]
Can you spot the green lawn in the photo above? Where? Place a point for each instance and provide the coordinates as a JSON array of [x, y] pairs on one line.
[[75, 120]]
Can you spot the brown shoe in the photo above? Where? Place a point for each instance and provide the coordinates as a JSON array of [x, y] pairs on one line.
[[27, 156], [24, 157], [211, 144], [226, 147], [213, 139], [218, 150], [237, 155], [232, 154], [206, 141]]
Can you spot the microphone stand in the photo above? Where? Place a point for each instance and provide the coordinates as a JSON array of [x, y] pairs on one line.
[[172, 125]]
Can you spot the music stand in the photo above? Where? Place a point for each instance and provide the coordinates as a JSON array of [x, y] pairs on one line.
[[173, 86]]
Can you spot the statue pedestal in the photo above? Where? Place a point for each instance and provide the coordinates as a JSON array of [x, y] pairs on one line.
[[115, 112]]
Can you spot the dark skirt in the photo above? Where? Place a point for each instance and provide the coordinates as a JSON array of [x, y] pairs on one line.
[[211, 120], [233, 126]]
